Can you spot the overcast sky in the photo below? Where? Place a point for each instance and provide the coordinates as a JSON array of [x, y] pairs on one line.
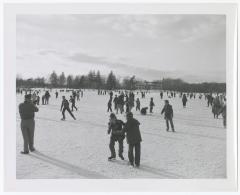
[[191, 47]]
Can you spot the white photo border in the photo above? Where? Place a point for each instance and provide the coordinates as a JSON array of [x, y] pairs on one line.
[[104, 185]]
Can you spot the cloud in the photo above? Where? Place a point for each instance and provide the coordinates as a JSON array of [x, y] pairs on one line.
[[145, 45]]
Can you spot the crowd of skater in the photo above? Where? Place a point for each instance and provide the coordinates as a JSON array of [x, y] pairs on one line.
[[119, 102]]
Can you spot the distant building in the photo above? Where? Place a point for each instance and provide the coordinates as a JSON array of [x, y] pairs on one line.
[[147, 85]]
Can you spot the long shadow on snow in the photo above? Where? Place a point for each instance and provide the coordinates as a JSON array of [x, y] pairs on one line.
[[72, 121], [155, 171], [69, 167]]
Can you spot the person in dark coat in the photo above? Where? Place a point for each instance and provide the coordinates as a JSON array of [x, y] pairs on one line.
[[43, 99], [134, 139], [26, 111], [47, 96], [56, 93], [184, 100], [168, 115], [115, 127], [144, 110], [137, 104], [64, 107], [72, 100], [115, 100], [161, 94], [121, 103], [209, 99], [151, 105], [109, 105], [216, 107], [224, 115]]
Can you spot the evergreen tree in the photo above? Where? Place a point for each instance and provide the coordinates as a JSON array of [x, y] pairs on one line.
[[54, 79], [70, 81], [62, 80], [111, 81]]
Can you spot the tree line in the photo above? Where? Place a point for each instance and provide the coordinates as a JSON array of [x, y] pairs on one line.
[[94, 80]]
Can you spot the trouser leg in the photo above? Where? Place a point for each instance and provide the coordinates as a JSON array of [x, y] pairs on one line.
[[137, 153], [171, 123], [31, 130], [24, 129], [63, 113], [130, 153], [167, 124], [111, 147], [120, 144], [69, 111], [117, 109]]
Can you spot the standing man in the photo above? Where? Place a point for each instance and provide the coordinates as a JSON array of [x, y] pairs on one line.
[[64, 107], [47, 96], [161, 94], [56, 93], [137, 104], [168, 115], [115, 127], [27, 110], [151, 105], [184, 100], [133, 139]]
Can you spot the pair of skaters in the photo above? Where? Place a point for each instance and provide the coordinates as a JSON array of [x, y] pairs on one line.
[[118, 129]]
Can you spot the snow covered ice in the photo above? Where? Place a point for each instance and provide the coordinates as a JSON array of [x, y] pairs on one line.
[[79, 149]]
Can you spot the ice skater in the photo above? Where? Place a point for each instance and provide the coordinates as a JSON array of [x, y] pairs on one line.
[[161, 94], [115, 101], [72, 100], [120, 103], [43, 99], [168, 115], [109, 105], [137, 104], [209, 100], [64, 107], [78, 95], [184, 100], [56, 94], [144, 110], [134, 139], [151, 105], [224, 115], [47, 96], [216, 107], [26, 111], [115, 127]]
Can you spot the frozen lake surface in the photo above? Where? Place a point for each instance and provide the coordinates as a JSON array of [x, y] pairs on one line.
[[79, 149]]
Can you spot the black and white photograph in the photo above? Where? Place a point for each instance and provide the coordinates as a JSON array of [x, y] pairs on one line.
[[122, 96]]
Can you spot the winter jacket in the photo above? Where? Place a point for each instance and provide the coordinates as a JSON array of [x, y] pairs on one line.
[[132, 130]]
